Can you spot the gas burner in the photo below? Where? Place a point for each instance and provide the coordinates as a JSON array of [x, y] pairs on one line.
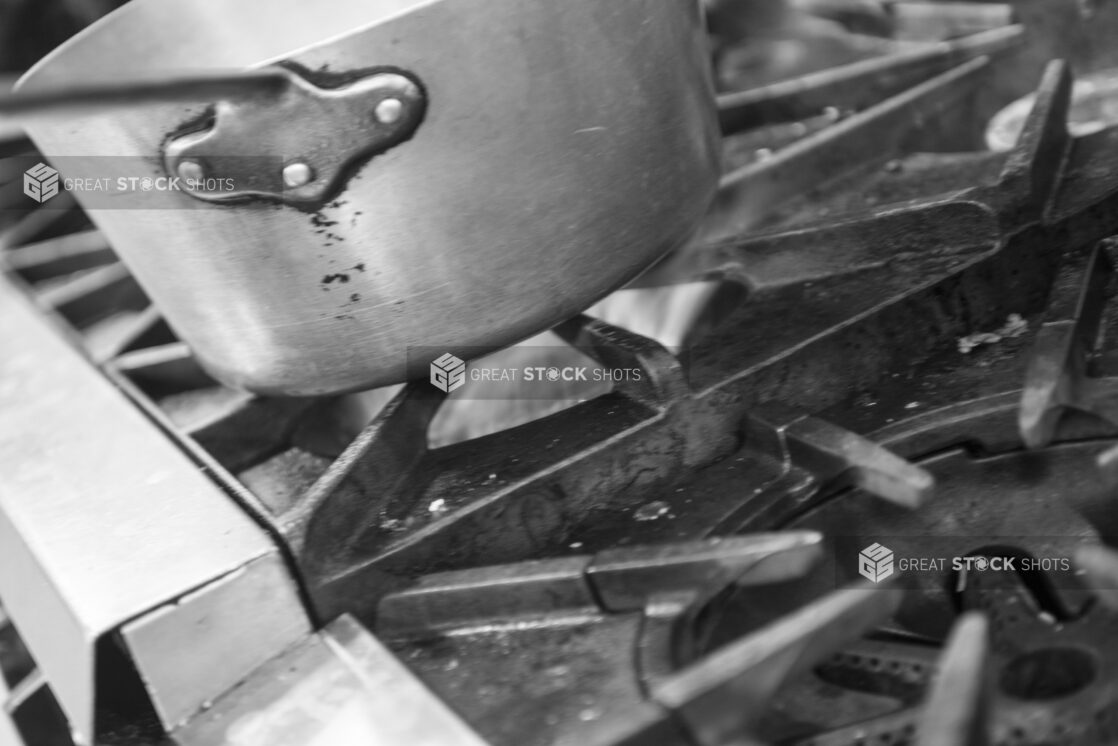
[[902, 337]]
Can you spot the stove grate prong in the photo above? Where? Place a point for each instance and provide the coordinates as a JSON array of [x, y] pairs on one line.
[[630, 579], [769, 263], [60, 256], [895, 727], [916, 19], [723, 696], [370, 478], [239, 429], [659, 591], [170, 364], [15, 689], [618, 581], [1057, 375], [1099, 566], [957, 712], [23, 691], [829, 452], [82, 300], [747, 196], [38, 222], [857, 85], [1032, 171], [144, 325], [615, 347], [1107, 463], [818, 458], [10, 702]]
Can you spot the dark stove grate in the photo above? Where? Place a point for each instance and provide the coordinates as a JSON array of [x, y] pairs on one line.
[[28, 710]]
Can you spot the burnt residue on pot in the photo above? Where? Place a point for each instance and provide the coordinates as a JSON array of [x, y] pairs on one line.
[[342, 278], [319, 220], [322, 226]]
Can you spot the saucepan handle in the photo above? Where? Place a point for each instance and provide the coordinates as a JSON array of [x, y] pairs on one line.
[[273, 133], [68, 100]]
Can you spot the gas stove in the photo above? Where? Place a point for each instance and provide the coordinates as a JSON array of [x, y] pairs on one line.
[[900, 374]]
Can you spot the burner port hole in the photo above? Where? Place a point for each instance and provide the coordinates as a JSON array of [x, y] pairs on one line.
[[1048, 673]]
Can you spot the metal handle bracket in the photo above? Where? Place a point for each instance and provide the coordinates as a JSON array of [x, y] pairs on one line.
[[296, 146]]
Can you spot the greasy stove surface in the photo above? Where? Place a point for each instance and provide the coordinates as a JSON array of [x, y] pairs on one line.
[[906, 337]]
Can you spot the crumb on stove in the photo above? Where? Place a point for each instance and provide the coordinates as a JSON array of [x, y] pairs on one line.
[[1013, 327]]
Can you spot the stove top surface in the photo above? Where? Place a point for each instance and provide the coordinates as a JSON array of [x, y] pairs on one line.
[[865, 498]]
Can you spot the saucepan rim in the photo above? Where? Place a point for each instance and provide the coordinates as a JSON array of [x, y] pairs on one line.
[[70, 61]]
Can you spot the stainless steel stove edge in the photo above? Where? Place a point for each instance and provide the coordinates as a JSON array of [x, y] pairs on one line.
[[106, 526]]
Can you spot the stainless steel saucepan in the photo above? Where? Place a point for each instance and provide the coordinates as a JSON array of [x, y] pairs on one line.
[[396, 175]]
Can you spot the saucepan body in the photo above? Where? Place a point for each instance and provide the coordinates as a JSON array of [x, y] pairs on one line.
[[556, 149]]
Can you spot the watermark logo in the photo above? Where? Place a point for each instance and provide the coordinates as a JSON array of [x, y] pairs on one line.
[[528, 372], [963, 561], [448, 373], [127, 182], [41, 182], [875, 562]]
